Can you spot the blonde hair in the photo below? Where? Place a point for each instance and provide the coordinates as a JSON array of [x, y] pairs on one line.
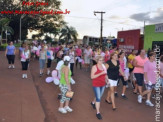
[[98, 57]]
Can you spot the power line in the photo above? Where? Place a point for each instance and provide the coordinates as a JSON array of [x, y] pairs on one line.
[[103, 19]]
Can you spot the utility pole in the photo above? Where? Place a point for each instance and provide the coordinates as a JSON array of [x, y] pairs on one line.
[[100, 12], [144, 31]]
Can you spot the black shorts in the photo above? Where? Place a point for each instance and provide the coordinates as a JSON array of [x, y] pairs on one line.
[[25, 65], [49, 63], [139, 78], [130, 70], [123, 81]]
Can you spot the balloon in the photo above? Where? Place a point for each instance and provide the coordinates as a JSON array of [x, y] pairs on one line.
[[56, 81], [54, 73], [127, 73], [49, 79]]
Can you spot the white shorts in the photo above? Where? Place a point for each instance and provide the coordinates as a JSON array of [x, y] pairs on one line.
[[113, 82]]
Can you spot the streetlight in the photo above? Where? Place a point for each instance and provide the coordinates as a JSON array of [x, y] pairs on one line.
[[21, 17]]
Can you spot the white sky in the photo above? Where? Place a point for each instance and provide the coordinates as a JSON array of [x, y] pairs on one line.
[[117, 15]]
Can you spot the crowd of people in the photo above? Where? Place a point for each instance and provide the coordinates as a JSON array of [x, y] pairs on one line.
[[108, 68]]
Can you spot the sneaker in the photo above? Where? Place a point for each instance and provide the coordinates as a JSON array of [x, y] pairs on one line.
[[124, 97], [62, 110], [67, 108], [99, 116], [13, 67], [93, 105], [40, 75], [149, 103], [116, 94], [23, 76], [139, 99], [9, 67], [26, 76], [48, 73]]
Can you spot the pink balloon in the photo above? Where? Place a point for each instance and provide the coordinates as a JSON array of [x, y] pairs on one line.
[[54, 73]]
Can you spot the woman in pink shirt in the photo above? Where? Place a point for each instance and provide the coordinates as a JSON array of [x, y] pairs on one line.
[[149, 77], [161, 70], [78, 52], [107, 55], [139, 71], [122, 65]]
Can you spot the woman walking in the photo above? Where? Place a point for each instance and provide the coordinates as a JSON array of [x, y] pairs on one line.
[[65, 86], [42, 59], [50, 57], [113, 69], [161, 71], [150, 77], [139, 71], [98, 76], [122, 65], [25, 56], [72, 60], [78, 56], [10, 54], [59, 54]]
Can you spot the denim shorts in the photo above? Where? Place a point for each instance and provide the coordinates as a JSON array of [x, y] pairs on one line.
[[139, 78], [149, 87], [42, 63], [98, 92]]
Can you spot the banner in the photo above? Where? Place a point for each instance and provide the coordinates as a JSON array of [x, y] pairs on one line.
[[159, 28]]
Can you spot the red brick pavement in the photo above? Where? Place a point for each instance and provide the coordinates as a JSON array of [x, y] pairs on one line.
[[19, 101]]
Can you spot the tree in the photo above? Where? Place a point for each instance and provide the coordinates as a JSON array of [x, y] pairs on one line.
[[4, 26], [68, 33], [36, 22]]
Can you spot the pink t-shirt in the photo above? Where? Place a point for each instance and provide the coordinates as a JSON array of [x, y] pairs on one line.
[[161, 68], [140, 62], [78, 52], [122, 65], [150, 68]]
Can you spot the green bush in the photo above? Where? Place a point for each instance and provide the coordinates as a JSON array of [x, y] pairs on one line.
[[3, 46], [17, 45]]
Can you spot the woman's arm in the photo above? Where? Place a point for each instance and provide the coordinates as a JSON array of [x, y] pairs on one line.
[[94, 69], [135, 64], [15, 51], [107, 66], [145, 76], [122, 73]]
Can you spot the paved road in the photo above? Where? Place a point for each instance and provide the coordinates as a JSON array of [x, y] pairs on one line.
[[19, 101], [128, 110]]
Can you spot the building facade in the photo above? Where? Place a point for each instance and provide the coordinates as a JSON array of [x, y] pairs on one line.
[[153, 36]]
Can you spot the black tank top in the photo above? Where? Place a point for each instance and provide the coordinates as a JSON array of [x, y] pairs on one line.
[[113, 71]]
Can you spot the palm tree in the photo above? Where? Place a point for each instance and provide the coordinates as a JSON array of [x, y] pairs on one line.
[[68, 33], [4, 26]]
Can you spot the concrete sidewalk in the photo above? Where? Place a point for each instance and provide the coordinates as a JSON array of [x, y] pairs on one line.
[[19, 101]]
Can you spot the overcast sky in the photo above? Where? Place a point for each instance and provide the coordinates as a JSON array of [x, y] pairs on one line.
[[120, 14]]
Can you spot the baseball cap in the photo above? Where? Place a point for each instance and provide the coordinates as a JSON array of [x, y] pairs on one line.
[[66, 58]]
